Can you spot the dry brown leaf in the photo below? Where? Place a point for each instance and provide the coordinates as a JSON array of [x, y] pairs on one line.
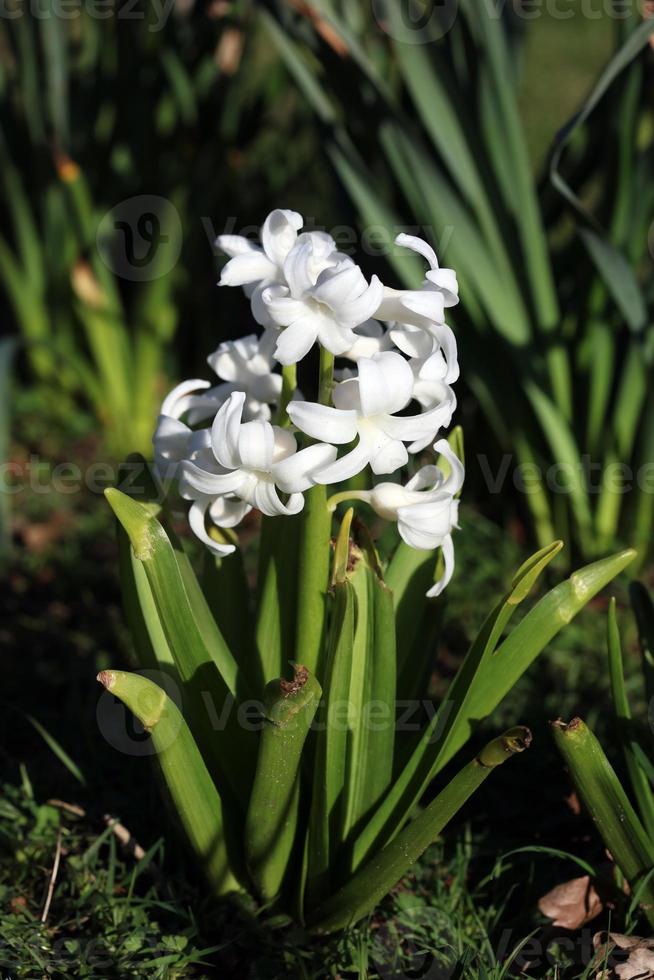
[[572, 904], [230, 50], [627, 957]]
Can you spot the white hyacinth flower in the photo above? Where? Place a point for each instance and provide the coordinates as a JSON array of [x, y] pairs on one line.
[[252, 461], [245, 365], [257, 266], [426, 306], [426, 509], [365, 408], [372, 337], [172, 439], [325, 297]]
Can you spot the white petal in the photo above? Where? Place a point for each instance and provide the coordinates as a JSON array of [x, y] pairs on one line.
[[344, 468], [390, 457], [418, 245], [228, 511], [256, 441], [336, 337], [225, 431], [194, 480], [250, 267], [454, 482], [266, 499], [285, 444], [444, 335], [385, 383], [196, 519], [427, 304], [417, 426], [279, 234], [295, 473], [233, 245], [427, 476], [324, 422], [171, 438], [364, 307], [298, 268], [295, 341], [446, 282], [411, 340], [447, 550], [282, 307], [175, 402]]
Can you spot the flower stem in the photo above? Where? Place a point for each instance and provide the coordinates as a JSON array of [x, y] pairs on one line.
[[314, 551], [289, 384], [339, 498], [326, 384]]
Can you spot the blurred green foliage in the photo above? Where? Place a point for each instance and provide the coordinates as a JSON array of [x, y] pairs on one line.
[[183, 103], [555, 320]]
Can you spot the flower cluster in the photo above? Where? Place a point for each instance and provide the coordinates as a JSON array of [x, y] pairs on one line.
[[221, 443]]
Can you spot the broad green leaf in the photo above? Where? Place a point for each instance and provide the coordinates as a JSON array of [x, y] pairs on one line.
[[206, 666], [600, 790], [331, 745], [272, 818], [195, 800], [372, 693], [364, 890], [486, 676], [276, 608], [452, 723]]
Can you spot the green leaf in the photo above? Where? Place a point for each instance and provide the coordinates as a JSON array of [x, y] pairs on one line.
[[206, 666], [271, 824], [196, 801], [451, 725], [276, 612], [644, 612], [619, 278], [372, 694], [600, 790], [331, 745], [626, 731], [632, 47], [364, 890]]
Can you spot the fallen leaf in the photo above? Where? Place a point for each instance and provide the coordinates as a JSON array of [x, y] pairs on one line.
[[571, 904], [627, 957]]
